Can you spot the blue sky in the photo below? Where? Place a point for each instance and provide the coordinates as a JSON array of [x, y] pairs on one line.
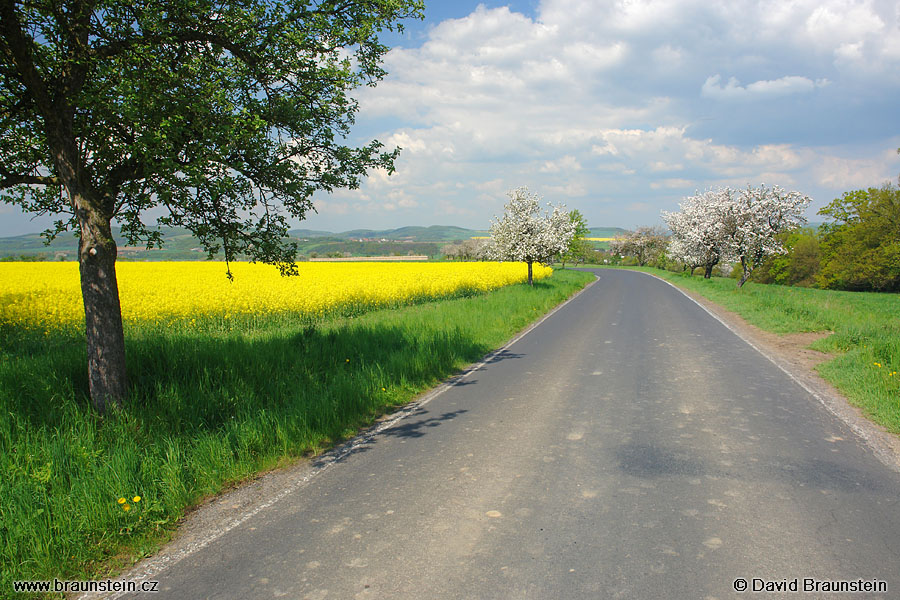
[[621, 108]]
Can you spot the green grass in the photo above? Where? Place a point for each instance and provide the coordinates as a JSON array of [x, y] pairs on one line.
[[865, 338], [209, 408]]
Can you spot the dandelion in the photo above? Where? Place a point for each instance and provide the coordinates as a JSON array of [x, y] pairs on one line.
[[877, 365], [126, 507], [136, 499], [121, 500]]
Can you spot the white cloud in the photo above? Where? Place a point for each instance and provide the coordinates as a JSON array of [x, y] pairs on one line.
[[669, 56], [784, 86], [566, 164], [587, 56], [632, 103], [569, 190], [331, 208], [678, 184], [623, 106], [662, 166], [841, 173], [843, 22]]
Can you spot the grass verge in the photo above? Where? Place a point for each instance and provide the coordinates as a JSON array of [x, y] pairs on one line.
[[83, 496], [865, 326]]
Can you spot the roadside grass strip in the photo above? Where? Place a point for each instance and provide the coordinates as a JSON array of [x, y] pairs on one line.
[[865, 334], [212, 403]]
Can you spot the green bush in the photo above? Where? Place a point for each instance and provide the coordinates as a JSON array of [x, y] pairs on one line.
[[798, 266], [861, 248]]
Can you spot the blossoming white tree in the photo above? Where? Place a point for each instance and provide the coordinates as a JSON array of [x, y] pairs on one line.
[[724, 225], [645, 244], [698, 230], [761, 214], [525, 234]]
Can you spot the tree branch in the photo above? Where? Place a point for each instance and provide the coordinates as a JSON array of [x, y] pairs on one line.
[[18, 48], [13, 180]]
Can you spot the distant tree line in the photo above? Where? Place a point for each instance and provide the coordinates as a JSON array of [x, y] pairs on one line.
[[466, 250], [758, 235], [858, 249]]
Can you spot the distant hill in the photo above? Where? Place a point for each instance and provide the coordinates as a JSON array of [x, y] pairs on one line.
[[34, 244], [310, 233], [180, 244], [603, 232], [434, 233]]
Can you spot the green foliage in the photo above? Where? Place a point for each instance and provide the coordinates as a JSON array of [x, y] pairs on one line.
[[800, 263], [579, 247], [642, 247], [861, 247], [227, 115], [210, 405]]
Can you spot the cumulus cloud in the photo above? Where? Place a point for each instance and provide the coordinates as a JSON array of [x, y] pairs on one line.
[[624, 106], [784, 86], [566, 164], [842, 173]]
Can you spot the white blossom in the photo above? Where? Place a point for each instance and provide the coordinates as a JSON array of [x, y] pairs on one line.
[[525, 234], [645, 244], [762, 213], [724, 225]]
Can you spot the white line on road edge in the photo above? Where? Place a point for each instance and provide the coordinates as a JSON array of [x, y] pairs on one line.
[[861, 427], [151, 567]]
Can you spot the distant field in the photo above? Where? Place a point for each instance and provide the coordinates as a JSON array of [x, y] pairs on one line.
[[180, 244]]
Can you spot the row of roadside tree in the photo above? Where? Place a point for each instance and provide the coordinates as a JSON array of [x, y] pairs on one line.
[[758, 234]]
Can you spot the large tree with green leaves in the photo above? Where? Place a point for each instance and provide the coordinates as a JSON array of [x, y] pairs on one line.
[[224, 117], [579, 247], [861, 244]]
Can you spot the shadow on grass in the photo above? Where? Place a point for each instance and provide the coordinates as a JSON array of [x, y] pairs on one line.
[[323, 381]]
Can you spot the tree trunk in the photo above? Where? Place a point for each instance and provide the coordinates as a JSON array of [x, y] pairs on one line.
[[107, 375], [707, 274], [745, 274], [530, 279]]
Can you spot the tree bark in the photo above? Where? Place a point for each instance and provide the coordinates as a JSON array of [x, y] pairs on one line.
[[530, 279], [745, 274], [107, 376], [707, 274]]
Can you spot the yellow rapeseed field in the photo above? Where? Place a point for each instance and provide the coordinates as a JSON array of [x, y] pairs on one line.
[[48, 295]]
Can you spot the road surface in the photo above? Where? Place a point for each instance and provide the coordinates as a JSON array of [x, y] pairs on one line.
[[631, 446]]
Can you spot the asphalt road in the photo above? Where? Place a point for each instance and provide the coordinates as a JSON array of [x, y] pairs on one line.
[[630, 446]]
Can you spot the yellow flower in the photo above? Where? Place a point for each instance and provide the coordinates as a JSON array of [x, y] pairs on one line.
[[877, 365], [136, 499], [121, 501], [126, 507], [47, 296]]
